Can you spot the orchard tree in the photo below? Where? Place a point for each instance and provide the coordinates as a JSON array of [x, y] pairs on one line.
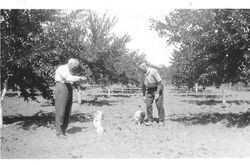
[[165, 73], [186, 67], [62, 39], [127, 68], [20, 32], [111, 62], [85, 35], [218, 40], [35, 42]]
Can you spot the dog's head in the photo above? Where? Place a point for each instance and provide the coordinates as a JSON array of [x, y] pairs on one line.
[[139, 116], [143, 114]]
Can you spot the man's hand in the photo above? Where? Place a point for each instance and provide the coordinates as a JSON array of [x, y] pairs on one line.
[[83, 79], [144, 99], [157, 96]]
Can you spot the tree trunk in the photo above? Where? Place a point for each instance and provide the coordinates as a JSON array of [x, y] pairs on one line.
[[1, 115], [224, 95], [18, 93], [196, 87], [109, 93], [2, 98]]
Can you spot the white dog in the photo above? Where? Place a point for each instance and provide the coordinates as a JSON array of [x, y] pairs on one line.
[[98, 122], [139, 117]]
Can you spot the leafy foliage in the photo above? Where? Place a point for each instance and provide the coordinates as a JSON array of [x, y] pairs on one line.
[[87, 36], [19, 33], [35, 42], [212, 43]]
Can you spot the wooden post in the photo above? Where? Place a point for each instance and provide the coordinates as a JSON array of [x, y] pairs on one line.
[[108, 92], [196, 87], [224, 95], [229, 87], [18, 93]]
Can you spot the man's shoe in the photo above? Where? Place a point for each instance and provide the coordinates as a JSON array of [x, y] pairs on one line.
[[61, 136], [149, 123]]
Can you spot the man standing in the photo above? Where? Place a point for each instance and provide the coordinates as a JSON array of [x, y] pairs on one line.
[[64, 95], [153, 90]]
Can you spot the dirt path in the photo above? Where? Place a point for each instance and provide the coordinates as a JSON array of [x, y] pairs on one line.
[[196, 126]]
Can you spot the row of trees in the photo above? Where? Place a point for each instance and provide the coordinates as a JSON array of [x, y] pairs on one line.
[[212, 45], [35, 42]]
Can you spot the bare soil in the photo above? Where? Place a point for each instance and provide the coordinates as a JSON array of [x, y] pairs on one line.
[[196, 126]]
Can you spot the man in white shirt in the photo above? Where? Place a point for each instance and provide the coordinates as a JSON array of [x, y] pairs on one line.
[[64, 94], [152, 88]]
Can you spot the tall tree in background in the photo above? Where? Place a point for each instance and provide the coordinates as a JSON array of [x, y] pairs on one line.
[[85, 35], [213, 44], [128, 70], [111, 61]]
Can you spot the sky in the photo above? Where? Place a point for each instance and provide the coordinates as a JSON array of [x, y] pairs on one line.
[[136, 23], [133, 18]]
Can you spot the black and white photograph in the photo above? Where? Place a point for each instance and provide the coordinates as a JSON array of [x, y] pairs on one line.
[[125, 80]]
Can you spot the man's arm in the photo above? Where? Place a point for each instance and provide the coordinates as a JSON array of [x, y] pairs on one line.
[[71, 78]]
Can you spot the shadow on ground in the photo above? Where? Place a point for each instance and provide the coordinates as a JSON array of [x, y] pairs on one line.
[[75, 130], [239, 102], [239, 120], [208, 96], [112, 95], [98, 102], [11, 94], [213, 102], [204, 102], [43, 119]]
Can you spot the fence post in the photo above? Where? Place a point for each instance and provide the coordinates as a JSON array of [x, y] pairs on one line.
[[108, 92], [229, 86], [224, 95], [196, 87]]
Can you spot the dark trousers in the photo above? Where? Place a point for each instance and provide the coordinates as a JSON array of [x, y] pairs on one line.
[[150, 97], [63, 103]]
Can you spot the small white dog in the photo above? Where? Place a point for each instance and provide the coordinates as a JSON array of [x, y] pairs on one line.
[[98, 122], [139, 117]]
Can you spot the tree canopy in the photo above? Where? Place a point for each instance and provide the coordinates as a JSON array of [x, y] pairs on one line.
[[213, 44], [20, 30], [35, 42]]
